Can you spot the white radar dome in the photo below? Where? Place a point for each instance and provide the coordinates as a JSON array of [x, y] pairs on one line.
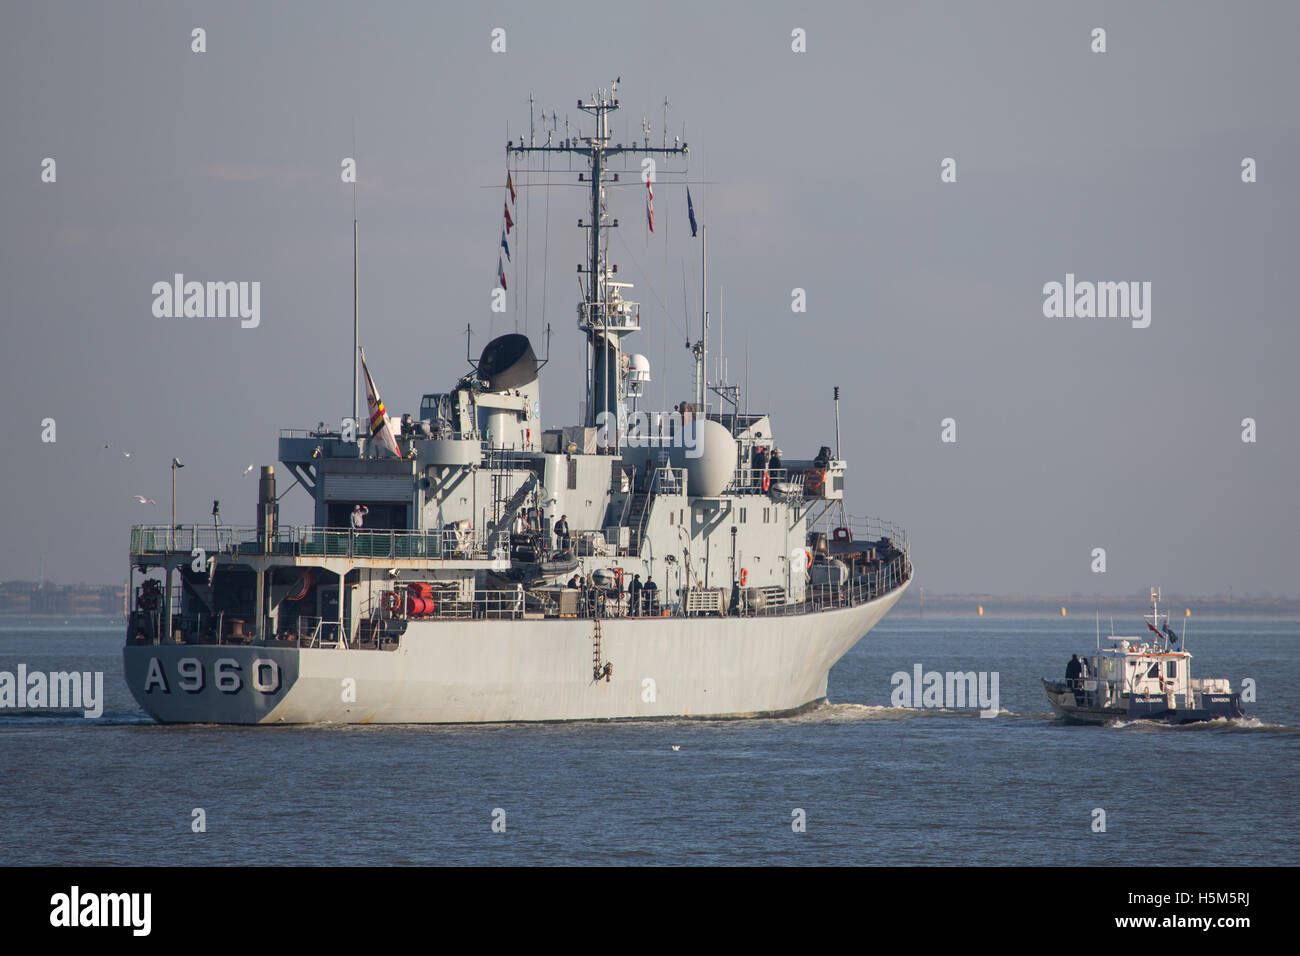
[[708, 453]]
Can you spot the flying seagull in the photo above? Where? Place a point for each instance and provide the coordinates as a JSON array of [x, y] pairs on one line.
[[145, 501], [677, 747], [248, 469], [126, 454]]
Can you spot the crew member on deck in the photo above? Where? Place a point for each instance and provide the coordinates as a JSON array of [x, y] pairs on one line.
[[562, 533], [650, 591], [359, 516], [635, 599], [1073, 670]]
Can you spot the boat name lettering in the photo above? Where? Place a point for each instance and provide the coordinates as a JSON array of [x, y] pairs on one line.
[[226, 671]]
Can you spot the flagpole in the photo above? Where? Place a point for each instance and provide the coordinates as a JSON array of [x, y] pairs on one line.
[[704, 321], [355, 424]]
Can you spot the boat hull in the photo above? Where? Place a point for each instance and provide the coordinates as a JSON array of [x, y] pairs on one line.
[[506, 671], [1213, 707]]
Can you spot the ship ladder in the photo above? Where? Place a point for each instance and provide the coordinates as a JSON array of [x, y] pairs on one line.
[[599, 670]]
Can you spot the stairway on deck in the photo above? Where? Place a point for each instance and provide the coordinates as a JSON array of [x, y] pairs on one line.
[[640, 502]]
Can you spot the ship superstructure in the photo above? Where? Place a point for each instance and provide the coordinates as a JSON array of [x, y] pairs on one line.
[[632, 565]]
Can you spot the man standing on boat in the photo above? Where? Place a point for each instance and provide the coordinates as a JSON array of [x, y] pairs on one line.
[[634, 601], [359, 516], [1073, 671], [562, 533], [650, 593]]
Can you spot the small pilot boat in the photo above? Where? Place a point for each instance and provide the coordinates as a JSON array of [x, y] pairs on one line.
[[1141, 679]]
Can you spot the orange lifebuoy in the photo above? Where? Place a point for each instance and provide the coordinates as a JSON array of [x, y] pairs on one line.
[[744, 577], [767, 480], [807, 558]]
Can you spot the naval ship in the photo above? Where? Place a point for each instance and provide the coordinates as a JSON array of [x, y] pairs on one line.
[[473, 565]]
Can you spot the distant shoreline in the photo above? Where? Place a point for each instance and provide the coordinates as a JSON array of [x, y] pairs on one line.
[[1087, 606]]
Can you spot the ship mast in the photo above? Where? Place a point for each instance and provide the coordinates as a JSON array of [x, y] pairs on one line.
[[602, 315]]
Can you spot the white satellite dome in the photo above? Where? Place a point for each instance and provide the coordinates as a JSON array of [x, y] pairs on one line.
[[640, 371], [708, 454]]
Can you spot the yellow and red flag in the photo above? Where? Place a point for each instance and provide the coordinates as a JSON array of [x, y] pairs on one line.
[[381, 429]]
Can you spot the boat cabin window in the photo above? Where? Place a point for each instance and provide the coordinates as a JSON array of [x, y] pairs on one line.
[[1154, 670], [1171, 669]]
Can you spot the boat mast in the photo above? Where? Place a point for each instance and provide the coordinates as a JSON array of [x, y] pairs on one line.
[[703, 397], [355, 424], [599, 316]]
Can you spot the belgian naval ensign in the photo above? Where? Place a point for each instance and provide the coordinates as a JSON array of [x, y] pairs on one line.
[[381, 428]]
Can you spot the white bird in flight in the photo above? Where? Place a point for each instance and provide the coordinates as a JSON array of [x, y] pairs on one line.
[[145, 501], [248, 469], [126, 454], [677, 747]]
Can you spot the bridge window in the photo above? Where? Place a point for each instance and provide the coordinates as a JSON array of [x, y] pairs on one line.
[[1154, 669], [1171, 669]]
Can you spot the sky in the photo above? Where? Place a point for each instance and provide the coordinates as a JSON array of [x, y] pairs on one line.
[[819, 170]]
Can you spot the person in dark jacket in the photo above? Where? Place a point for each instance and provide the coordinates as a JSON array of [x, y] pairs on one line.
[[650, 592], [759, 464], [635, 596], [1073, 671], [562, 533]]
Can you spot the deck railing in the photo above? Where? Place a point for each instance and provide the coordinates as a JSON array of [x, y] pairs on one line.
[[589, 602], [317, 542], [749, 481]]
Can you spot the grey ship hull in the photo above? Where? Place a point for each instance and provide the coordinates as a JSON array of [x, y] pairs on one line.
[[505, 671]]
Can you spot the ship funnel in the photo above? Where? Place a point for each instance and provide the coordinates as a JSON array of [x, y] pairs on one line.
[[508, 361]]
